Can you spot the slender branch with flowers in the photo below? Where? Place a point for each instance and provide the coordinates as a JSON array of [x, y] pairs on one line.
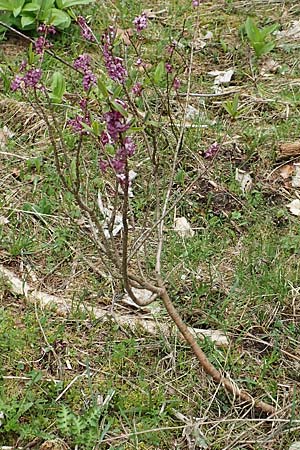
[[114, 118]]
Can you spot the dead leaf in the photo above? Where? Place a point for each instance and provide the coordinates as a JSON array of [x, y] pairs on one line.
[[269, 66], [289, 149], [286, 171], [202, 40], [54, 444], [291, 33], [245, 180], [5, 135], [125, 35], [221, 76], [294, 207], [296, 177], [183, 228], [3, 220]]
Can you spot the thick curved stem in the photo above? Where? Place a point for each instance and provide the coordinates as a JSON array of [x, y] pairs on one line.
[[205, 363]]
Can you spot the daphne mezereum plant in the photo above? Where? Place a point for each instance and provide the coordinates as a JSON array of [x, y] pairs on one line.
[[113, 115]]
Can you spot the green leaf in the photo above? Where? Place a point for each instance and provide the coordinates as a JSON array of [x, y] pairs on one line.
[[102, 88], [261, 50], [159, 72], [68, 3], [269, 30], [17, 11], [31, 7], [118, 107], [12, 5], [58, 87], [97, 128], [30, 54], [60, 19], [28, 21], [6, 5]]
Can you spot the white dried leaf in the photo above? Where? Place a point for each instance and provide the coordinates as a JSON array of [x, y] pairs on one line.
[[221, 76], [202, 40], [1, 417], [5, 134], [294, 207], [144, 296], [295, 446], [107, 214], [3, 220], [296, 177], [191, 113], [183, 228], [292, 32], [245, 180]]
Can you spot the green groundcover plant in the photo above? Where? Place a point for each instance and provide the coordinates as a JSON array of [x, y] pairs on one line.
[[28, 14]]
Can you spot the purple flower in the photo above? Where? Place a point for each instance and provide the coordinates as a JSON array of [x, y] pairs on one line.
[[83, 103], [41, 44], [118, 165], [212, 150], [114, 67], [105, 138], [176, 84], [77, 123], [195, 3], [129, 146], [137, 89], [32, 77], [103, 165], [16, 83], [43, 28], [169, 67], [23, 65], [115, 124], [113, 64], [139, 62], [83, 63], [140, 22], [85, 30], [89, 80]]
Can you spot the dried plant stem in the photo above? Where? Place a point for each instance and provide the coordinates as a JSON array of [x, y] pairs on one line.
[[207, 366]]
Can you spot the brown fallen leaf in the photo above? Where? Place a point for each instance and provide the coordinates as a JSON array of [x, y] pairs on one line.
[[124, 35], [286, 171], [287, 149]]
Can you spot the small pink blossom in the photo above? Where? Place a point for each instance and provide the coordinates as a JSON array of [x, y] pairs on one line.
[[41, 44], [176, 84], [169, 67], [85, 30], [212, 150], [141, 22], [16, 83], [83, 62], [137, 89], [89, 80]]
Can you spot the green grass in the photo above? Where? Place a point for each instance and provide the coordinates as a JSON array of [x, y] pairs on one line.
[[125, 389]]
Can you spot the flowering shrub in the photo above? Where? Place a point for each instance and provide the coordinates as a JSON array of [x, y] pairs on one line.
[[114, 115]]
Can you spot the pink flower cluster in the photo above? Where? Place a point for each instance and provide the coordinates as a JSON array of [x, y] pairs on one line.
[[83, 63], [40, 44], [140, 22], [116, 126], [85, 30], [78, 122], [46, 29], [113, 64], [212, 151], [29, 80]]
